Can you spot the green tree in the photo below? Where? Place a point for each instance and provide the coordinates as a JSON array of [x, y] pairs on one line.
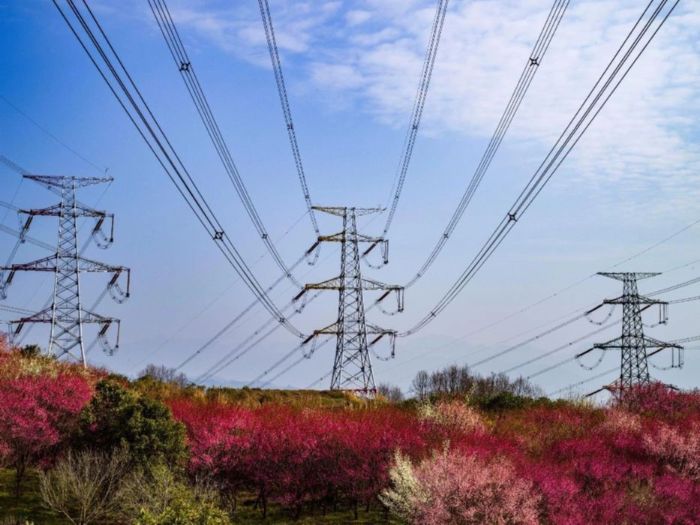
[[117, 417]]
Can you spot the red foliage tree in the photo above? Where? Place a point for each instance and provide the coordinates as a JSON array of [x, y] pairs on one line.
[[37, 415]]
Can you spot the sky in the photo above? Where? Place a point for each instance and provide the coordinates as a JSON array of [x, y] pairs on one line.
[[352, 68]]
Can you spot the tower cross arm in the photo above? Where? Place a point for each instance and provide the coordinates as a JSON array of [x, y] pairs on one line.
[[60, 181], [57, 210], [45, 264], [621, 276], [88, 265], [660, 345]]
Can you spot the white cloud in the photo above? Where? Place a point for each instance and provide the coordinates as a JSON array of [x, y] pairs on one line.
[[370, 55]]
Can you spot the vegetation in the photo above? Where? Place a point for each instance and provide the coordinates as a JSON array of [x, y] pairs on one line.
[[79, 446]]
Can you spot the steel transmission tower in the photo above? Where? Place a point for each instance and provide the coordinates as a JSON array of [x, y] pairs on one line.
[[633, 344], [352, 367], [66, 314]]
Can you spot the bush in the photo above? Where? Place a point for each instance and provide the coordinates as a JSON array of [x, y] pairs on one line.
[[85, 487], [117, 417], [158, 498], [453, 415]]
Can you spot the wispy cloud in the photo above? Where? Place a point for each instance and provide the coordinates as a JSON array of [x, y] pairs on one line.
[[369, 54]]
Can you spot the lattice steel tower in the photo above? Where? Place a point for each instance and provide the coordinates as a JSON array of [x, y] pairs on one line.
[[633, 344], [66, 314], [352, 367]]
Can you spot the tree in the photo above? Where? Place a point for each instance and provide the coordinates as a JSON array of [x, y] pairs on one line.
[[30, 351], [165, 374], [117, 417], [460, 489], [38, 413], [421, 384], [85, 486], [390, 392]]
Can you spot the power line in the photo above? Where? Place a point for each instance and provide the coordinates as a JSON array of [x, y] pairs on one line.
[[527, 75], [246, 345], [567, 345], [286, 357], [286, 109], [566, 288], [52, 135], [182, 61], [418, 107], [211, 303], [588, 380], [589, 109], [230, 324], [157, 141]]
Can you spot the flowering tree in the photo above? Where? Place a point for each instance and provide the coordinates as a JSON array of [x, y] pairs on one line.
[[461, 489], [37, 414]]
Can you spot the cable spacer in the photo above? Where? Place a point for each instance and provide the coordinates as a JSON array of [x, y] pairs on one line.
[[185, 66], [218, 235], [512, 217], [534, 61]]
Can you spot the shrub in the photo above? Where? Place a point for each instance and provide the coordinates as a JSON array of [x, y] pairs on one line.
[[85, 486], [676, 450], [453, 415], [117, 417], [158, 498]]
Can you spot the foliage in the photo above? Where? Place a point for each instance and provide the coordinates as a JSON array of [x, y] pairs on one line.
[[315, 457], [157, 497], [390, 392], [85, 487], [164, 374], [38, 412], [455, 381], [453, 415], [297, 457], [678, 450], [451, 487], [117, 417]]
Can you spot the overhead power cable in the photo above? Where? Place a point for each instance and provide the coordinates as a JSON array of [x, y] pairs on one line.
[[53, 136], [286, 109], [223, 292], [418, 107], [129, 97], [532, 64], [184, 64], [286, 357], [567, 345], [245, 346], [230, 324], [541, 356], [536, 337], [588, 380], [615, 72], [534, 60]]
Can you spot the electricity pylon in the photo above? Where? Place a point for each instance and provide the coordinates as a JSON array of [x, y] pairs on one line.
[[66, 314], [633, 344], [352, 367]]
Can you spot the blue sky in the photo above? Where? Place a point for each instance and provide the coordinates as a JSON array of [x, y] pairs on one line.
[[352, 69]]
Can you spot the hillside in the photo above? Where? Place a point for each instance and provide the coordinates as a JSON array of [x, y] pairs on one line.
[[154, 452]]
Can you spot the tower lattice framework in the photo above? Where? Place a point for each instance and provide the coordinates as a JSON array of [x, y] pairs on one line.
[[66, 314], [634, 346], [352, 366]]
